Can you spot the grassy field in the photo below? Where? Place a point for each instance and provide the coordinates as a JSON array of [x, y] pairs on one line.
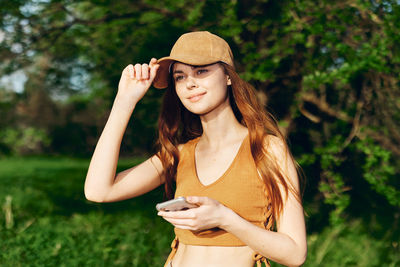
[[46, 221]]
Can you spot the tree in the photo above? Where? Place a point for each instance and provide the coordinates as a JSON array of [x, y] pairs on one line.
[[328, 70]]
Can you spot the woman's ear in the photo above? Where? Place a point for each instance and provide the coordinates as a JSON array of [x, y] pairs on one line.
[[228, 80]]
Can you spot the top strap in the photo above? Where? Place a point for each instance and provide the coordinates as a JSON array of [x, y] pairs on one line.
[[174, 246], [258, 258]]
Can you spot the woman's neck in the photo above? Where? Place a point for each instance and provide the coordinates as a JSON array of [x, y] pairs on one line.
[[221, 126]]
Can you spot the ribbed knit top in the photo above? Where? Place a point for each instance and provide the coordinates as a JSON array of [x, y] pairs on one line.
[[240, 188]]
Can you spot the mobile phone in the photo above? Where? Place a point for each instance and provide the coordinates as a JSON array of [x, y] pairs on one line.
[[175, 205]]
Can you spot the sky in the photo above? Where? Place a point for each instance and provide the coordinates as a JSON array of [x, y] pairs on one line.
[[14, 82]]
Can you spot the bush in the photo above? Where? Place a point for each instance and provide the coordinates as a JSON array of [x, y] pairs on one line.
[[24, 141]]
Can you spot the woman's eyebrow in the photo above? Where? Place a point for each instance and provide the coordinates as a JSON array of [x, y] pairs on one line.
[[193, 67], [177, 71]]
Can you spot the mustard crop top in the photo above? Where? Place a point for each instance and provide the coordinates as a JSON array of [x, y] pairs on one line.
[[240, 188]]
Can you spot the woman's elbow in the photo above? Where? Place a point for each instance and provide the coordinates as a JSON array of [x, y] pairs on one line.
[[300, 258], [93, 196]]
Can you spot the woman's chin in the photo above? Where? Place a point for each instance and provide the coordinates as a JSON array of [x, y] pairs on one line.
[[197, 108], [198, 111]]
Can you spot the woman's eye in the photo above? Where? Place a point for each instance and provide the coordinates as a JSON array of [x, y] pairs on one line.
[[178, 78], [201, 71]]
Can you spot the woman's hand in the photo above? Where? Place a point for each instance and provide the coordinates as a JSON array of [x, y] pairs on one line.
[[209, 214], [135, 81]]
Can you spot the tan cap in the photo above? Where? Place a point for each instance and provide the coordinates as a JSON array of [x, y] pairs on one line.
[[194, 48]]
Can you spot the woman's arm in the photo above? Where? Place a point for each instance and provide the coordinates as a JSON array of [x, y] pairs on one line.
[[287, 246], [102, 185]]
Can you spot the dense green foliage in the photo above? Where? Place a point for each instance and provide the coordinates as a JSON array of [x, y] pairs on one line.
[[328, 70], [46, 221]]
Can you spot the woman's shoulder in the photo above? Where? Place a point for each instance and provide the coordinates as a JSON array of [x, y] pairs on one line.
[[188, 143], [276, 148], [276, 145], [278, 151]]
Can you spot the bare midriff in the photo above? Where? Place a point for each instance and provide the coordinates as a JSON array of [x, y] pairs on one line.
[[212, 256]]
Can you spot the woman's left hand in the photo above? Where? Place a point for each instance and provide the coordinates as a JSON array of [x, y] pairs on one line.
[[209, 214]]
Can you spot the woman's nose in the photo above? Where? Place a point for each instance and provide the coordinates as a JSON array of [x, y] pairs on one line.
[[191, 83]]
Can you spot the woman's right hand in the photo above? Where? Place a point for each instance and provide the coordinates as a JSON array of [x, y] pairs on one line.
[[136, 80]]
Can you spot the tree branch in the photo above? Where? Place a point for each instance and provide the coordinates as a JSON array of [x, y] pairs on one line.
[[324, 107], [59, 30]]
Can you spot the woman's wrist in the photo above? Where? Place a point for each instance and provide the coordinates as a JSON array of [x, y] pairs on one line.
[[120, 115], [124, 103], [228, 216]]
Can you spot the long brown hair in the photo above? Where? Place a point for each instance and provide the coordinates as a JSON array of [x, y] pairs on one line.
[[177, 125]]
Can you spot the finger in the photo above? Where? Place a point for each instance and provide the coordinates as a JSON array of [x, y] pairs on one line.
[[161, 213], [173, 221], [153, 68], [153, 71], [181, 222], [197, 200], [145, 71], [183, 227], [131, 72], [189, 225], [125, 71], [152, 62], [138, 72], [183, 214]]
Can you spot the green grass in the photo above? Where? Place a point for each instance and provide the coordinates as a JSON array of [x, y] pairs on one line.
[[53, 224], [46, 221]]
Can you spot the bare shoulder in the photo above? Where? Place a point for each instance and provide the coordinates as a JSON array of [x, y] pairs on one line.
[[180, 146], [275, 147], [188, 142], [278, 151]]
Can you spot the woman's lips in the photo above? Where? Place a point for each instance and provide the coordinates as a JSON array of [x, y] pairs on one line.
[[196, 97]]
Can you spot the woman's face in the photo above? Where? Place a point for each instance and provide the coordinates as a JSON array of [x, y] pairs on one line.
[[201, 89]]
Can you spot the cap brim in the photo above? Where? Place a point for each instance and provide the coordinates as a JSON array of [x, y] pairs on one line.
[[161, 79]]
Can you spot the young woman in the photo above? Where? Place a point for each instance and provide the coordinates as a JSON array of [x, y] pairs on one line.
[[220, 148]]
